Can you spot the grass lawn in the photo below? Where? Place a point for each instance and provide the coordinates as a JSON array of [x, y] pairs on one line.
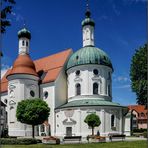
[[125, 144]]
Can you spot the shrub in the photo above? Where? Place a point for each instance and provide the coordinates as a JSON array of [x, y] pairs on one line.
[[10, 141], [57, 141], [145, 134], [4, 133], [139, 130]]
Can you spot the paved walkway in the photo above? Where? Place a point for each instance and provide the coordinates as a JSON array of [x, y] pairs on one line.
[[134, 138]]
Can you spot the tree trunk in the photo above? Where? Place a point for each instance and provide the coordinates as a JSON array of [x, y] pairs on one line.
[[92, 131], [32, 131]]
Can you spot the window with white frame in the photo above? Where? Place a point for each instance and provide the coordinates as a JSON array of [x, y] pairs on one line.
[[23, 43], [109, 90], [95, 88], [12, 114], [112, 120], [78, 89]]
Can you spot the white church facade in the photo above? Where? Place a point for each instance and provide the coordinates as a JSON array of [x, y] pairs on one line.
[[72, 84]]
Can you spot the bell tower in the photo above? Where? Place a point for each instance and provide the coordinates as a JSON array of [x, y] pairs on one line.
[[24, 37], [88, 29]]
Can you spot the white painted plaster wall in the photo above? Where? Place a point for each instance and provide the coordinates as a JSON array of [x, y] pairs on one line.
[[87, 78], [50, 100], [80, 127], [19, 89]]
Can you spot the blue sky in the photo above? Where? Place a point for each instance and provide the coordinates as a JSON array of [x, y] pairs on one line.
[[55, 25]]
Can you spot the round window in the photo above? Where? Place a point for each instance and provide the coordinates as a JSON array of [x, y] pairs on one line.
[[45, 94], [95, 71], [32, 93], [78, 72]]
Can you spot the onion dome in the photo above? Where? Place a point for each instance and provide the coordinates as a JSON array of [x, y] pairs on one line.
[[88, 20], [89, 55], [23, 65], [24, 33]]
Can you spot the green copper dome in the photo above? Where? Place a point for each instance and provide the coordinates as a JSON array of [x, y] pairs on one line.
[[89, 55], [24, 33]]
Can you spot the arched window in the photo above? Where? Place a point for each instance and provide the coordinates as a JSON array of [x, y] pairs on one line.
[[109, 76], [109, 90], [112, 121], [100, 87], [12, 114], [27, 43], [95, 88], [78, 89], [23, 43]]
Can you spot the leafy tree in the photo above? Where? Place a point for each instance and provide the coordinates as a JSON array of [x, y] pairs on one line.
[[32, 112], [6, 8], [138, 74], [92, 120]]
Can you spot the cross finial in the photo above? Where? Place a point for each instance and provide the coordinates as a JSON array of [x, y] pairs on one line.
[[87, 14], [24, 23], [87, 5]]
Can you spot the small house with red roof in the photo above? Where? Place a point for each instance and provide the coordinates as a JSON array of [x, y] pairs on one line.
[[136, 118]]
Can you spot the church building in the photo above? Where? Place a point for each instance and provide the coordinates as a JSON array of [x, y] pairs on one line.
[[72, 84]]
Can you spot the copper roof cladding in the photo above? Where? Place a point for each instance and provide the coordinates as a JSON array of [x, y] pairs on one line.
[[52, 65], [23, 65]]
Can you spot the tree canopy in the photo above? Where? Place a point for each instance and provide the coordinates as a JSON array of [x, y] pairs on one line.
[[92, 120], [6, 8], [138, 74], [32, 112]]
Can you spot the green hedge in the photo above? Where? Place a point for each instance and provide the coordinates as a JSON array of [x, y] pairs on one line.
[[19, 141], [139, 130]]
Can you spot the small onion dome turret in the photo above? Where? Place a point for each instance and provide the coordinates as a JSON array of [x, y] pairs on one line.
[[24, 33], [23, 65], [88, 20], [89, 55]]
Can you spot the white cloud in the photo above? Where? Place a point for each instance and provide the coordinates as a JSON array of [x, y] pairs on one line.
[[133, 1], [18, 17], [139, 0], [123, 86], [3, 72], [103, 17], [121, 79], [117, 12], [4, 69]]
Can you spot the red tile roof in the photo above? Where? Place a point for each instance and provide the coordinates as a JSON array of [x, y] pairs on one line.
[[50, 65]]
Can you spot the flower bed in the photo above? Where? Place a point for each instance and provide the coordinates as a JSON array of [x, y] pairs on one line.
[[50, 140], [96, 138]]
